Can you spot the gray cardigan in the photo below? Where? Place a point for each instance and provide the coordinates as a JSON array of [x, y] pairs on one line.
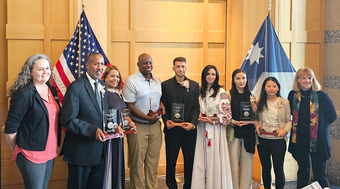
[[284, 115]]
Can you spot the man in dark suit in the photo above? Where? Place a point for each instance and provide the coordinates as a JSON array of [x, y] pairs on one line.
[[82, 115], [180, 89]]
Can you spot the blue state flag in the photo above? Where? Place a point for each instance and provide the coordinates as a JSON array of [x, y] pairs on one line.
[[265, 58]]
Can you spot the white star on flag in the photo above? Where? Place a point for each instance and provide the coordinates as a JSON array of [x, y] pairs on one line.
[[254, 54]]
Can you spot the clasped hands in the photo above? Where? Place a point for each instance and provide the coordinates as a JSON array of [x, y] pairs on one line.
[[185, 125]]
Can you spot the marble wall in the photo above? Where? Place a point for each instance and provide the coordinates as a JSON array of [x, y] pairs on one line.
[[332, 80]]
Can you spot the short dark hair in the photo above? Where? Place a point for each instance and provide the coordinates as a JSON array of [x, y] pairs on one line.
[[89, 56], [179, 59]]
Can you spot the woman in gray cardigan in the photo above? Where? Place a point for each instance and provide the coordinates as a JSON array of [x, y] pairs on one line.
[[274, 122]]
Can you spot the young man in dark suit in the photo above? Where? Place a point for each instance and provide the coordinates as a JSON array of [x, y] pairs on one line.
[[82, 115], [180, 90]]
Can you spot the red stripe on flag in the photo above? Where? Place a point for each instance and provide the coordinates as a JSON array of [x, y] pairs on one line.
[[62, 74]]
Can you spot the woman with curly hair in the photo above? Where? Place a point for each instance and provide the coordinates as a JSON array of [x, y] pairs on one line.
[[31, 128]]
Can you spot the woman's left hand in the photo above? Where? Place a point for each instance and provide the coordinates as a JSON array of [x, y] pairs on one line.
[[281, 132], [204, 118], [133, 129], [120, 130]]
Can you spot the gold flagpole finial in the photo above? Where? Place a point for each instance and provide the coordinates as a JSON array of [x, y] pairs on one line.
[[270, 6], [83, 4]]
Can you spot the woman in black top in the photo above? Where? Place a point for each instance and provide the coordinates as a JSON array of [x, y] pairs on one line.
[[313, 111], [241, 136], [114, 175]]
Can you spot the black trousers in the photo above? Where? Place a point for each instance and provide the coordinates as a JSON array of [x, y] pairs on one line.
[[305, 159], [174, 140], [276, 149], [85, 177]]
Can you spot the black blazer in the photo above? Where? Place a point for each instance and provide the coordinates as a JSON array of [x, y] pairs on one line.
[[327, 115], [191, 104], [81, 117], [28, 117]]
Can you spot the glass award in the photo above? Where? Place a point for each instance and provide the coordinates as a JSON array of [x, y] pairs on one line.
[[246, 113], [124, 113], [111, 126], [177, 115]]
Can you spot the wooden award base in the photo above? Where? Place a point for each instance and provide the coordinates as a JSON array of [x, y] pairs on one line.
[[248, 122], [177, 124], [159, 112], [212, 118], [263, 132]]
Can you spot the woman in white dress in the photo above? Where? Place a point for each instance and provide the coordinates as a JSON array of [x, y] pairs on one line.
[[211, 164]]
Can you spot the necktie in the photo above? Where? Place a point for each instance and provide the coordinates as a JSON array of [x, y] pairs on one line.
[[96, 92]]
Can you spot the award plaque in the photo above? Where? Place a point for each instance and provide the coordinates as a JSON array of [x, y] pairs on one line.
[[177, 115], [246, 113], [124, 113], [111, 118]]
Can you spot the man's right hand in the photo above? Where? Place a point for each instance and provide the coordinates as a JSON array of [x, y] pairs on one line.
[[169, 124], [154, 118], [100, 135]]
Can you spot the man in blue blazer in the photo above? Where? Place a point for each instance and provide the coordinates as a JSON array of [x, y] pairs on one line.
[[82, 115]]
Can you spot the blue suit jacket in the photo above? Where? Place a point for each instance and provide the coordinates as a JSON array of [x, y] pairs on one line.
[[81, 116]]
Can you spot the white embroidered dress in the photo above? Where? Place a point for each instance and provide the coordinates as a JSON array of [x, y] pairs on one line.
[[211, 163]]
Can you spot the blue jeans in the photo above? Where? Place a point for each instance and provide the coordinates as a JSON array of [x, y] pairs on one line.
[[35, 176]]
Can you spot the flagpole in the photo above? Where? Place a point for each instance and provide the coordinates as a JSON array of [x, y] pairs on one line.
[[265, 39], [270, 7], [265, 49], [79, 45]]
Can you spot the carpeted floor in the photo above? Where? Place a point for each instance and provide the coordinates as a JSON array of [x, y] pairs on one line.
[[162, 184]]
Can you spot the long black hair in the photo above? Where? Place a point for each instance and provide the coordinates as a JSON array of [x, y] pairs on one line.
[[204, 82], [233, 88], [263, 96]]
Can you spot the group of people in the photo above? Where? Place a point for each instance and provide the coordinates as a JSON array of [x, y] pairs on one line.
[[205, 122]]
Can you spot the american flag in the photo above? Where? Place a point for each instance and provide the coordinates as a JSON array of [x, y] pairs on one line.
[[71, 63]]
